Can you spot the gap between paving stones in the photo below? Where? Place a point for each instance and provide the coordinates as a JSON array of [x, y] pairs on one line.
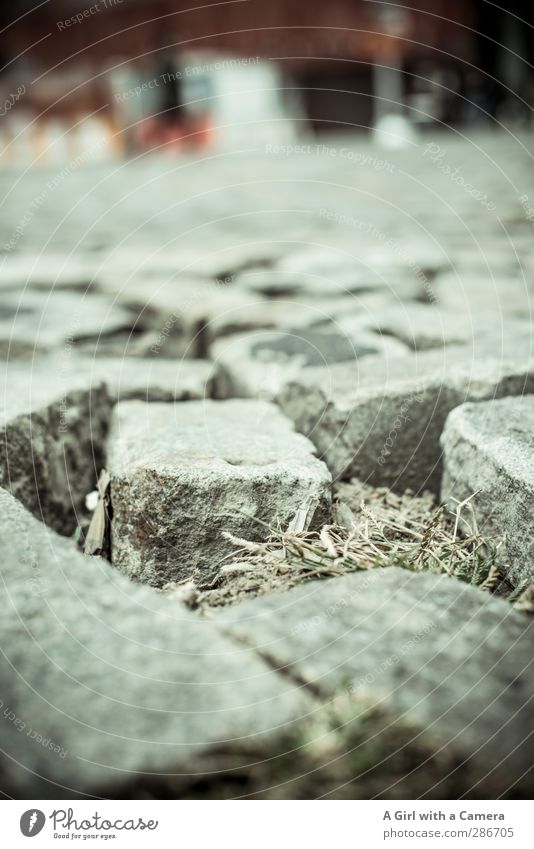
[[56, 418]]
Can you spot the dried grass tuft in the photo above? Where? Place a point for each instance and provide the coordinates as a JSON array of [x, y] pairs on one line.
[[375, 528]]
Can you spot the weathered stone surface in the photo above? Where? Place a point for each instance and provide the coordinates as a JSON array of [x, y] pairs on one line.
[[260, 364], [182, 310], [35, 322], [476, 294], [338, 271], [55, 417], [330, 282], [421, 326], [52, 431], [297, 312], [122, 343], [486, 258], [217, 260], [149, 379], [47, 271], [182, 474], [273, 314], [310, 347], [226, 239], [316, 260], [489, 450], [107, 685], [447, 657], [274, 283], [380, 420]]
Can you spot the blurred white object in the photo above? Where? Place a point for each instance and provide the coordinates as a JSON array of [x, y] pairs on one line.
[[52, 143], [19, 150], [395, 132], [91, 140], [91, 500], [391, 130], [246, 101]]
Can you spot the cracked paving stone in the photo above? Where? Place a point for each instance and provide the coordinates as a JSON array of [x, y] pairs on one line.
[[116, 684], [449, 658], [52, 432]]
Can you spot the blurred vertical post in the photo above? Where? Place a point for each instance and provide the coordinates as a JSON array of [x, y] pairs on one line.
[[390, 124]]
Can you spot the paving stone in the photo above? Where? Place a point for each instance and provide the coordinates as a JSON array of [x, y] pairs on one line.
[[107, 685], [125, 267], [150, 379], [336, 273], [380, 419], [339, 283], [423, 256], [483, 297], [451, 659], [483, 259], [243, 371], [123, 343], [324, 260], [489, 450], [273, 283], [50, 272], [271, 314], [214, 260], [292, 313], [420, 326], [153, 378], [55, 418], [193, 313], [53, 428], [182, 311], [260, 364], [35, 322], [264, 315], [183, 474]]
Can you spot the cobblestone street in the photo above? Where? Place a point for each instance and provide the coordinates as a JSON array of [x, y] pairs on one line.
[[237, 389]]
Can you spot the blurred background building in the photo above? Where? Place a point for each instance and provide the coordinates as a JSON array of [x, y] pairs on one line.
[[116, 77]]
